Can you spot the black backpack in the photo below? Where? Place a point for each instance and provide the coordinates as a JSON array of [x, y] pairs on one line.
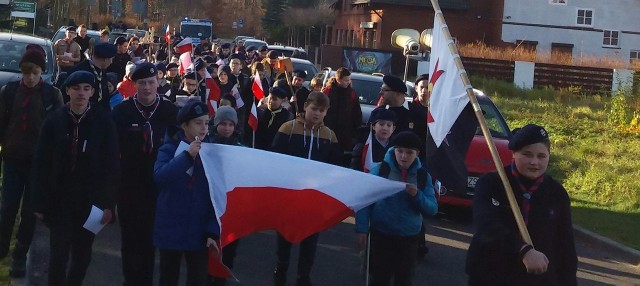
[[422, 174]]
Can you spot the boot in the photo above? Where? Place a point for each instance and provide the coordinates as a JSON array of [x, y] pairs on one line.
[[19, 263], [7, 221], [280, 275]]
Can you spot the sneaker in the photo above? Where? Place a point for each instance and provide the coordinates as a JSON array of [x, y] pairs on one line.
[[280, 276]]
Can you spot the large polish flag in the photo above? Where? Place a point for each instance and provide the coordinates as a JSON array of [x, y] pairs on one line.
[[213, 94], [447, 92], [185, 46], [313, 196], [256, 87]]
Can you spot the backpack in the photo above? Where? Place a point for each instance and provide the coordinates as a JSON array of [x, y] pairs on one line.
[[8, 95], [422, 174]]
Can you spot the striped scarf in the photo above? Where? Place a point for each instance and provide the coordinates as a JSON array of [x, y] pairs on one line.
[[527, 193]]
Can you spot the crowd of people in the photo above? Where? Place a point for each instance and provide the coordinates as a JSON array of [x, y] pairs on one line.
[[108, 135]]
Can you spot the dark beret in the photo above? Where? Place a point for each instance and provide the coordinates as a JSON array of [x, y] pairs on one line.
[[224, 69], [198, 64], [530, 134], [299, 73], [105, 50], [172, 66], [251, 48], [263, 49], [273, 55], [161, 67], [383, 114], [79, 77], [161, 55], [241, 57], [144, 70], [278, 92], [226, 46], [407, 139], [421, 78], [193, 109], [71, 29], [191, 75], [209, 59], [120, 40], [394, 83]]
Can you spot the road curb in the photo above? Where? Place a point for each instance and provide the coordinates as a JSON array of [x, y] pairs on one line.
[[627, 254]]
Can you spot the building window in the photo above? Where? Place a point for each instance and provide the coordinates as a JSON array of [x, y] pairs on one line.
[[339, 37], [353, 38], [558, 2], [585, 17], [610, 38], [634, 56]]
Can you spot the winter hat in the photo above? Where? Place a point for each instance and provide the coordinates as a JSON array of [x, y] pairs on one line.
[[161, 55], [530, 134], [105, 50], [407, 139], [113, 79], [161, 67], [226, 46], [129, 68], [225, 113], [34, 56], [278, 92], [394, 83], [224, 69], [198, 64], [193, 109]]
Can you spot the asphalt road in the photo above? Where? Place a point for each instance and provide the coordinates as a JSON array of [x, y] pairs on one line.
[[337, 261]]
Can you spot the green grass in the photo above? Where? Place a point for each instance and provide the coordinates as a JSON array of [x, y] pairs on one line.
[[595, 151], [5, 263]]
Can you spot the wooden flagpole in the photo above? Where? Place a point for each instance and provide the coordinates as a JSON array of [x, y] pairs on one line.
[[522, 227]]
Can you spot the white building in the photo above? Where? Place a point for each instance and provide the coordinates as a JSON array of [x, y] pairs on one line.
[[580, 27]]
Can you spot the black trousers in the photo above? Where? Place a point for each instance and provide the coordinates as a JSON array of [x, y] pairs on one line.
[[138, 252], [392, 257], [197, 264], [16, 188], [68, 236], [306, 257]]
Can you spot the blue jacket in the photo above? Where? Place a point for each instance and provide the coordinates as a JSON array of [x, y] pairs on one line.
[[399, 214], [184, 213]]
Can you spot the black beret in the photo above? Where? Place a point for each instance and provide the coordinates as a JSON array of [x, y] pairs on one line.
[[120, 40], [251, 48], [198, 64], [421, 78], [161, 55], [394, 83], [383, 114], [299, 73], [407, 139], [172, 66], [161, 67], [209, 59], [226, 46], [530, 134], [105, 50], [193, 109], [273, 55], [263, 49], [191, 75], [144, 70], [278, 92], [79, 77], [71, 29]]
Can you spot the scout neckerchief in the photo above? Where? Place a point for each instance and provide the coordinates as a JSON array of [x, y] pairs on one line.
[[76, 119], [24, 105], [273, 114], [526, 193], [147, 131], [99, 78]]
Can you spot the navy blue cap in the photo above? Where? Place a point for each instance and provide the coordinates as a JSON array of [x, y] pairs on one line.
[[193, 109], [172, 66], [198, 64], [161, 67], [144, 70], [105, 50], [209, 59], [278, 92], [263, 49], [161, 55], [394, 83], [79, 77], [527, 135], [407, 139], [226, 46], [241, 57], [382, 113], [113, 78]]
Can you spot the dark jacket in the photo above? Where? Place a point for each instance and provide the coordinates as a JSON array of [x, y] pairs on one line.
[[137, 166], [492, 258], [164, 90], [101, 100], [378, 151], [399, 214], [184, 213], [410, 120], [119, 65], [295, 139], [344, 115], [18, 135], [60, 184], [267, 131]]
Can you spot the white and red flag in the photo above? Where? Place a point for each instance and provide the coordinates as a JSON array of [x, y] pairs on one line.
[[256, 87], [186, 45], [236, 94], [185, 62], [253, 118], [213, 94], [367, 154], [167, 35], [447, 92]]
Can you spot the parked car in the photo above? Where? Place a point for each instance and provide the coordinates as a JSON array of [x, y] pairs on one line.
[[241, 38], [60, 34], [254, 43], [307, 66], [288, 51], [12, 46], [137, 32], [478, 159]]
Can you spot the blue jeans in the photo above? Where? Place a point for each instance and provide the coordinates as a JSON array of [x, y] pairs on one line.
[[15, 189]]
